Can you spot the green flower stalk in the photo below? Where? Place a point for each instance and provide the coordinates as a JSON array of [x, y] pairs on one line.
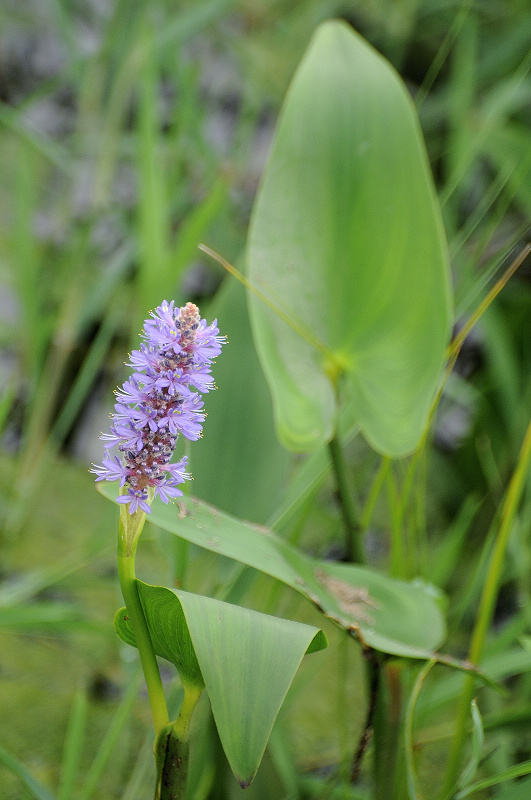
[[159, 401]]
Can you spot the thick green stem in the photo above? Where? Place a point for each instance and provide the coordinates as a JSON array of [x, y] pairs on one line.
[[181, 726], [129, 532], [354, 544], [486, 609], [172, 750], [387, 723]]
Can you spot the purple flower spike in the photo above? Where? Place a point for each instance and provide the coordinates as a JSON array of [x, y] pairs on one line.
[[158, 403]]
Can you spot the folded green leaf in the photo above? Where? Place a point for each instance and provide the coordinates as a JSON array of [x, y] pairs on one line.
[[168, 629], [246, 660]]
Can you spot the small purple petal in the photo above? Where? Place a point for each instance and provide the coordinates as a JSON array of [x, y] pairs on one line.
[[167, 492], [112, 470], [135, 498]]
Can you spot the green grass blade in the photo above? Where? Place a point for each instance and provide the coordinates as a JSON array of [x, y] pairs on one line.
[[6, 403], [105, 752], [55, 153], [84, 380], [414, 792], [487, 603], [17, 767], [478, 738], [154, 282], [507, 775], [73, 746]]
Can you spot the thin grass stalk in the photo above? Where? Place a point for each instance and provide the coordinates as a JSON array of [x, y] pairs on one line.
[[486, 607], [374, 493], [276, 305], [413, 789], [107, 747], [457, 343], [153, 277], [491, 195], [11, 763], [125, 81], [491, 119], [83, 381], [420, 551], [180, 548], [442, 53], [397, 557], [342, 705], [73, 747], [489, 270]]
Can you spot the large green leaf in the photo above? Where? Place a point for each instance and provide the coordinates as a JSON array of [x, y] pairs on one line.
[[346, 240], [246, 659], [392, 616]]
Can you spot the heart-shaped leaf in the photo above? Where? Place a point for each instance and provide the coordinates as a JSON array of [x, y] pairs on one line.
[[246, 659], [346, 240], [392, 616]]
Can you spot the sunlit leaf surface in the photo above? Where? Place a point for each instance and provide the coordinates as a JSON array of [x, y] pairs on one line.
[[346, 240]]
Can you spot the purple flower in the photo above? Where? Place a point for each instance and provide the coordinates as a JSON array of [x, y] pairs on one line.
[[167, 492], [185, 417], [201, 378], [142, 359], [173, 381], [137, 498], [112, 470], [129, 437], [178, 471], [129, 393], [157, 404]]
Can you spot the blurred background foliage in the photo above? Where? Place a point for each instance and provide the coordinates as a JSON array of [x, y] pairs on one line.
[[129, 132]]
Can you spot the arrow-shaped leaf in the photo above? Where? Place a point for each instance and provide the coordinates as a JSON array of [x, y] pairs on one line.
[[346, 239]]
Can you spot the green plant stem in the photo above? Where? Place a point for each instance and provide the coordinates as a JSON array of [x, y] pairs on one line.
[[486, 608], [387, 725], [351, 518], [373, 667], [181, 726], [172, 750], [374, 492], [129, 532]]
